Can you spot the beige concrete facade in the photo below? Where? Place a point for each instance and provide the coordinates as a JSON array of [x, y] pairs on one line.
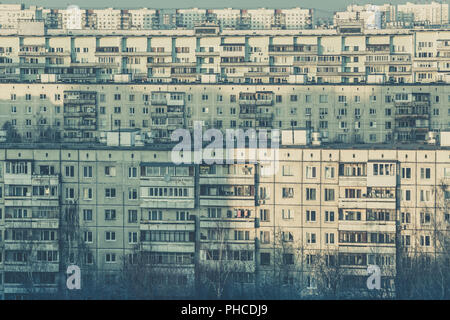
[[363, 204]]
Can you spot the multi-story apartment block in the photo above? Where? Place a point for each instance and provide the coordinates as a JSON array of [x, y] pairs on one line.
[[88, 122], [402, 15], [99, 207], [433, 13], [339, 113], [345, 55], [188, 18], [74, 18], [227, 18], [12, 14]]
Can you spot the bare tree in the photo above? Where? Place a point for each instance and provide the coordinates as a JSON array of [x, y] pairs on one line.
[[223, 266], [285, 280], [422, 273]]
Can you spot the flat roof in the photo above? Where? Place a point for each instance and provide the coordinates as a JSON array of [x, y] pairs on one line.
[[169, 146]]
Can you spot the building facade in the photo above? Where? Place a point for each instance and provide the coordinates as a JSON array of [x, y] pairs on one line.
[[345, 55], [99, 207], [402, 15], [339, 113]]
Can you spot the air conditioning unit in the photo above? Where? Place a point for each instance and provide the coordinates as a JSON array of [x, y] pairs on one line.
[[345, 104], [357, 116], [338, 117]]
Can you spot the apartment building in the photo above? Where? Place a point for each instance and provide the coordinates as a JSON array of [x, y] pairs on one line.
[[345, 55], [147, 19], [98, 207], [338, 113], [11, 14], [389, 15], [434, 13]]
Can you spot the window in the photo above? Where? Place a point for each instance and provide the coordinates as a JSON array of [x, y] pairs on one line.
[[182, 215], [265, 258], [288, 258], [329, 172], [155, 215], [425, 173], [447, 172], [132, 194], [406, 173], [70, 193], [110, 214], [310, 194], [264, 214], [87, 171], [287, 236], [329, 238], [310, 238], [310, 215], [132, 172], [288, 192], [425, 218], [287, 170], [110, 192], [132, 216], [110, 171], [406, 217], [425, 241], [310, 172], [87, 214], [329, 216], [88, 236], [407, 195], [329, 194], [132, 237], [265, 236], [287, 214], [380, 169], [110, 257], [110, 236], [241, 235], [70, 171], [87, 193]]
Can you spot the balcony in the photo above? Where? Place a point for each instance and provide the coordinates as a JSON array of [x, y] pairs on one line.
[[159, 101], [369, 226], [77, 100], [151, 225], [36, 266], [352, 181], [174, 102], [228, 223]]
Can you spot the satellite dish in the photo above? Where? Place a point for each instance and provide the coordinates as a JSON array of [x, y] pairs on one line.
[[166, 178]]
